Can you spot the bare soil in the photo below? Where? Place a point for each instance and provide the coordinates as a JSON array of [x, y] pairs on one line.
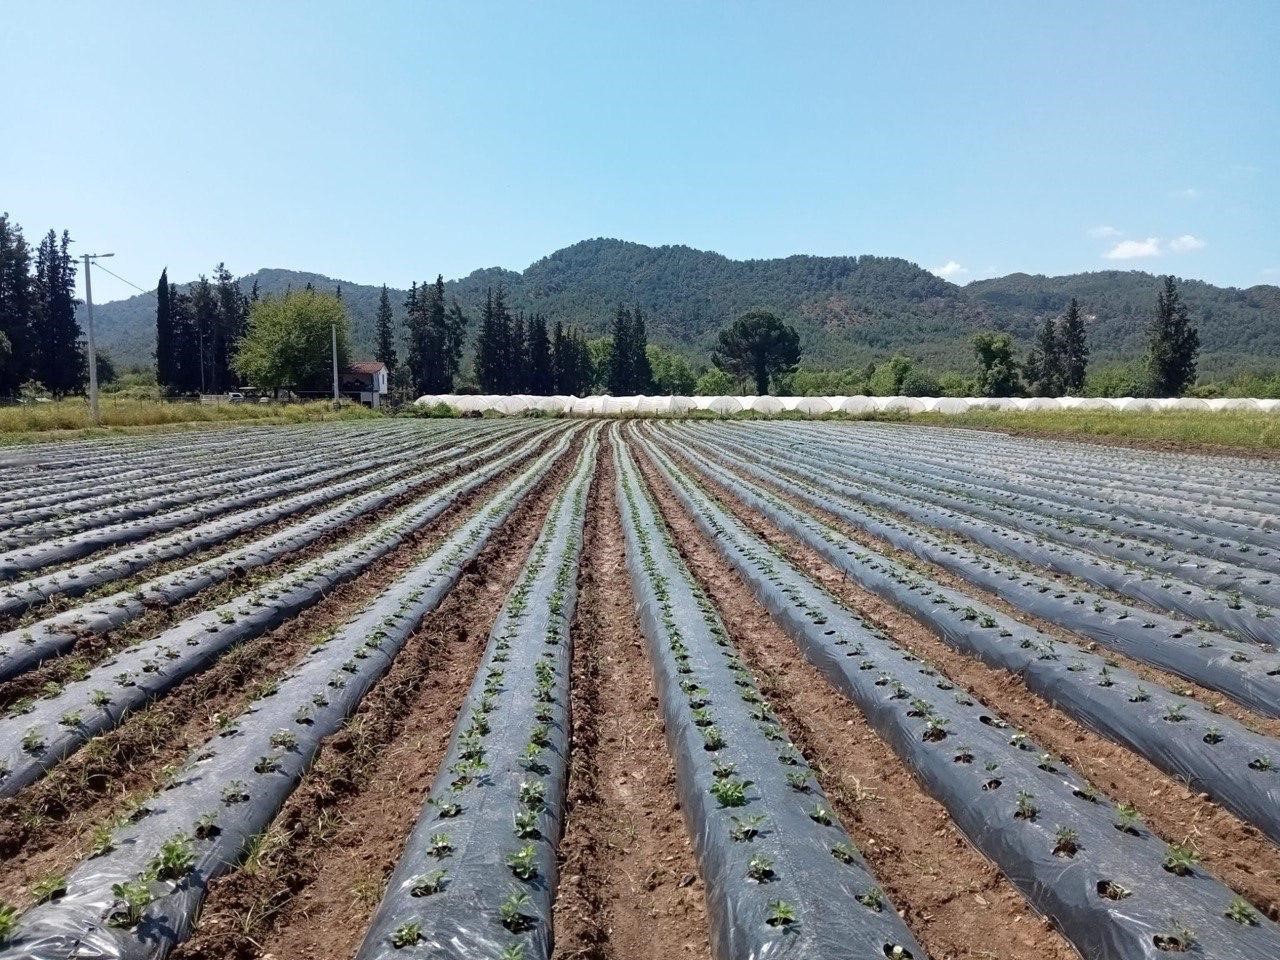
[[629, 883]]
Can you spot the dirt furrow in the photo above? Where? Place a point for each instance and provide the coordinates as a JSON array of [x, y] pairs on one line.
[[629, 884], [1235, 851]]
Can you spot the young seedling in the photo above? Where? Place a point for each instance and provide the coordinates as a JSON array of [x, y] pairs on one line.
[[1179, 939], [1127, 819], [206, 826], [49, 888], [8, 921], [760, 868], [513, 952], [730, 792], [428, 884], [533, 794], [1067, 842], [1180, 860], [745, 829], [935, 729], [132, 898], [820, 814], [873, 899], [176, 857], [523, 862], [526, 827], [1027, 808], [406, 935], [844, 853], [1242, 913], [781, 914], [511, 912]]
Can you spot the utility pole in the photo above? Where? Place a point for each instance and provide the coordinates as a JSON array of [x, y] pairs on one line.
[[333, 339], [93, 347]]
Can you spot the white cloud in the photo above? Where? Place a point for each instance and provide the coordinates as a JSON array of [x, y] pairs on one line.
[[948, 270], [1186, 193], [1132, 249], [1103, 233], [1186, 243]]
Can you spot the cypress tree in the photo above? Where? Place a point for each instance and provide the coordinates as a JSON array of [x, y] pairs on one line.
[[455, 333], [166, 359], [16, 307], [435, 340], [1043, 368], [1173, 345], [59, 356], [489, 349], [557, 358], [206, 327], [541, 372], [229, 324], [1073, 347], [386, 331], [621, 354], [186, 342], [641, 372]]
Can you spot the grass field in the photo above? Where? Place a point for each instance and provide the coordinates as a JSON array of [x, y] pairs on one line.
[[1206, 431], [66, 419]]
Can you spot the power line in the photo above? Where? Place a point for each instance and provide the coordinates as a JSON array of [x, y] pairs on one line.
[[120, 278]]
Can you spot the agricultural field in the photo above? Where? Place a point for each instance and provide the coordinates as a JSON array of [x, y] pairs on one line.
[[591, 689]]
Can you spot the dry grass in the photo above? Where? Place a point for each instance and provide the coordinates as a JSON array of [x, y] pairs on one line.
[[70, 418]]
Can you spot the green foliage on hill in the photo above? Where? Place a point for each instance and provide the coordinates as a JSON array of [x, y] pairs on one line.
[[849, 311]]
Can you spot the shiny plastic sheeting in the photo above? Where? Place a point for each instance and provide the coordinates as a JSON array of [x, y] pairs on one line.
[[52, 728], [1008, 796], [231, 789], [451, 896], [1211, 752], [702, 686]]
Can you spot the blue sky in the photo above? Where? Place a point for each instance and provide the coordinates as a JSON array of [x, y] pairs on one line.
[[385, 142]]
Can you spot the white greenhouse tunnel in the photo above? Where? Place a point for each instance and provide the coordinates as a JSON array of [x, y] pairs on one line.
[[817, 406]]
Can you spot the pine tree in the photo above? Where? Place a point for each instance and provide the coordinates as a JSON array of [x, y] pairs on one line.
[[1073, 347], [517, 354], [541, 370], [16, 307], [59, 358], [253, 294], [1173, 345], [386, 331], [166, 346]]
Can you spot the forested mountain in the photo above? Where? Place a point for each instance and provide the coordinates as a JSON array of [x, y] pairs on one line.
[[849, 310]]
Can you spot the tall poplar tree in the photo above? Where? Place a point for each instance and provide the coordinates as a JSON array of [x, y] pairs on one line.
[[386, 331], [1173, 345]]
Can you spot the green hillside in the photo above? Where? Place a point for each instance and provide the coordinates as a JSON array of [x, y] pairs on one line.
[[849, 310]]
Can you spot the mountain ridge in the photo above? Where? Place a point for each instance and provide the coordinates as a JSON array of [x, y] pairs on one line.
[[849, 309]]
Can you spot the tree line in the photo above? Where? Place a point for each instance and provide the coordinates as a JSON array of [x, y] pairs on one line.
[[198, 331], [40, 338]]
